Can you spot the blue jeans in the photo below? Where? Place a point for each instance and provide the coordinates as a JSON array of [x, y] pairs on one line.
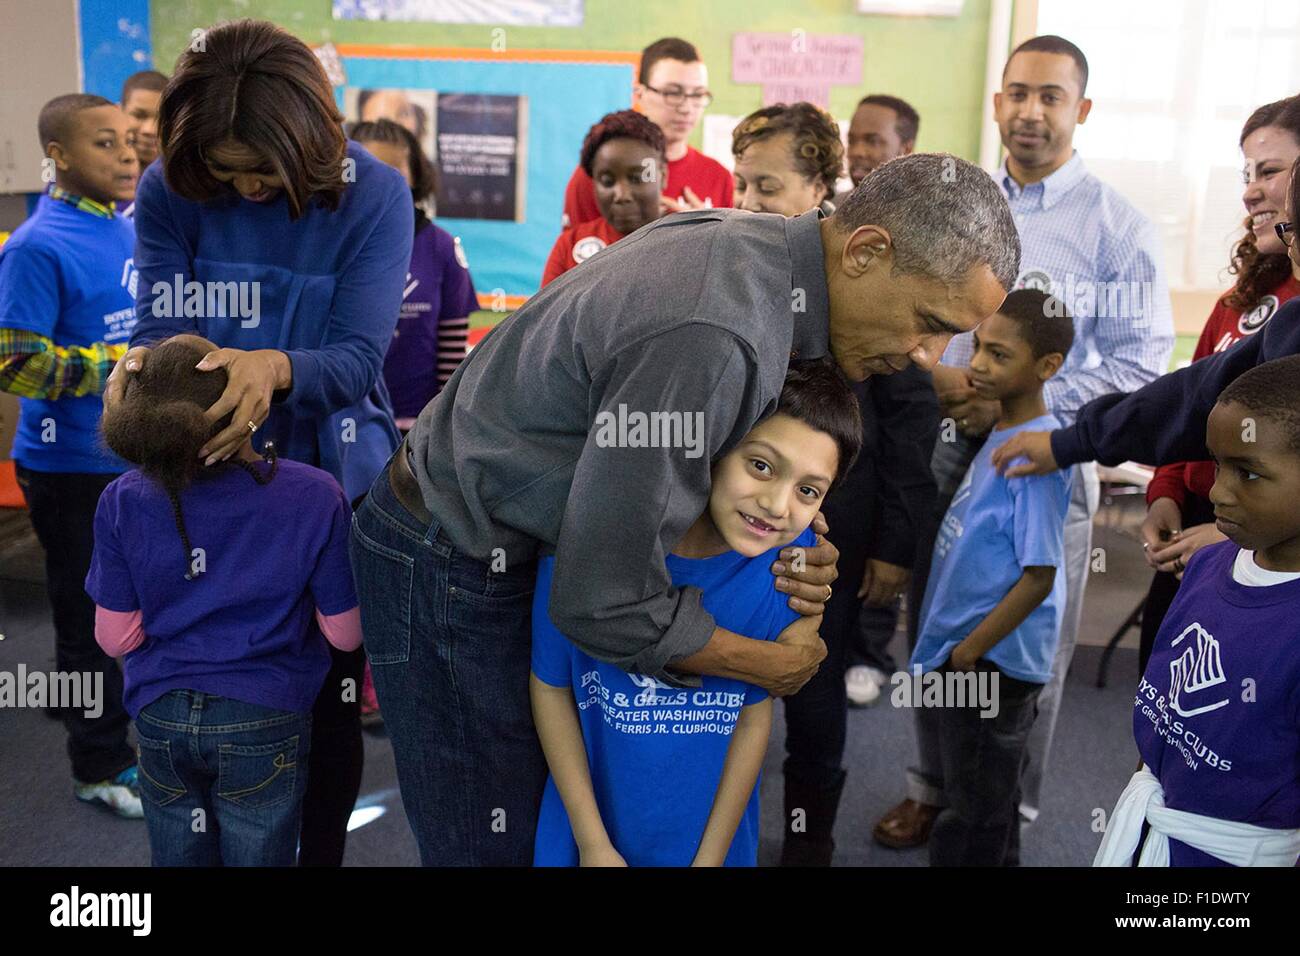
[[983, 760], [449, 643], [221, 780]]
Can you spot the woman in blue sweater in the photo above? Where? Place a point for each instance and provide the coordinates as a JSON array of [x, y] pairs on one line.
[[265, 230]]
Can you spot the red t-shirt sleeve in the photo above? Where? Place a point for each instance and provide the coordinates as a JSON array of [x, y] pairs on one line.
[[560, 259], [579, 199], [726, 189]]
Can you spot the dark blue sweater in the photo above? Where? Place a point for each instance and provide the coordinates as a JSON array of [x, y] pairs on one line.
[[328, 291], [1165, 421]]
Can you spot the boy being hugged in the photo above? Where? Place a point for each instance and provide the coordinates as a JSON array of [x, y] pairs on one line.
[[644, 774], [996, 591], [1217, 713], [67, 298]]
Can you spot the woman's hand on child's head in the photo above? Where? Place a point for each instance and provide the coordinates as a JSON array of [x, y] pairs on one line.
[[602, 855], [1163, 524], [1036, 446], [1174, 555], [253, 378], [123, 369], [806, 573]]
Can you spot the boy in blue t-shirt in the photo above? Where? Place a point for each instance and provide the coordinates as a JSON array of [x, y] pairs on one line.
[[67, 307], [644, 774], [991, 616]]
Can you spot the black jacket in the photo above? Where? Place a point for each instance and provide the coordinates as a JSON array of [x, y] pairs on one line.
[[1165, 421], [890, 490]]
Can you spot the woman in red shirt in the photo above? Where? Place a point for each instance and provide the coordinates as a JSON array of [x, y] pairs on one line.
[[624, 156], [1180, 518]]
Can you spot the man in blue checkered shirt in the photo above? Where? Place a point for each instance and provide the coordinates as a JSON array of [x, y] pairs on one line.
[[1086, 245]]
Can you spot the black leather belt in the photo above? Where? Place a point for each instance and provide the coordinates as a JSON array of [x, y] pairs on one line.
[[405, 486]]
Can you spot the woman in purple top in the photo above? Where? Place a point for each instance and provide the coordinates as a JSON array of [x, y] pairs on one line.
[[433, 327]]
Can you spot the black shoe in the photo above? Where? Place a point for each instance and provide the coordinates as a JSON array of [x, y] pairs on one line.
[[809, 822]]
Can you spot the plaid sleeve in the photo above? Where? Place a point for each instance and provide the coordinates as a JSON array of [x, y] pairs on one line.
[[34, 367]]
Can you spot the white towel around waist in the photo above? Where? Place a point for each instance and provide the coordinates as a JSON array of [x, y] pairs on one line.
[[1143, 800]]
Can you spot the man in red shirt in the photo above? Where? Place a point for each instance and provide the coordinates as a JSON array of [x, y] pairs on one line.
[[672, 89]]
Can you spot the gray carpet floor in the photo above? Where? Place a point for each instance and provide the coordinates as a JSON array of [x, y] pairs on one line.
[[42, 824]]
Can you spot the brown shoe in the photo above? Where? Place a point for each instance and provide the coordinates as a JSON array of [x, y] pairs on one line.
[[907, 825]]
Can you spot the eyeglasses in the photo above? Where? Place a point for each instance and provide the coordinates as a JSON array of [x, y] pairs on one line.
[[1285, 231], [676, 97]]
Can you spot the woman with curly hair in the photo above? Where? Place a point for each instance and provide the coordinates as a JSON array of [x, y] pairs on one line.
[[1180, 518], [788, 159], [624, 156]]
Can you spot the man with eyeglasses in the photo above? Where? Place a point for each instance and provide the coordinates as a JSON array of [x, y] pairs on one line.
[[672, 90]]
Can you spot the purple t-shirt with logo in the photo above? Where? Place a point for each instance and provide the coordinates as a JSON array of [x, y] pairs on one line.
[[438, 287], [245, 628], [1217, 714]]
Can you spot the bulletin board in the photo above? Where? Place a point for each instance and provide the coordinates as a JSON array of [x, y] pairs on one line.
[[565, 91]]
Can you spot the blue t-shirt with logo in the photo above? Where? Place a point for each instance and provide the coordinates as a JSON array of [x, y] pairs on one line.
[[656, 752], [68, 275], [1217, 713], [994, 529], [245, 628]]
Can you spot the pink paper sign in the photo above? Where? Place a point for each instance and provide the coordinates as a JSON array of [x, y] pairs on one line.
[[818, 94], [797, 59]]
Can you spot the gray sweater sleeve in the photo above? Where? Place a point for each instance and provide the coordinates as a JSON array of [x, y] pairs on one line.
[[630, 502]]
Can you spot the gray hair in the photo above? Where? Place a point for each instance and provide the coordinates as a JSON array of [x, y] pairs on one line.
[[946, 216]]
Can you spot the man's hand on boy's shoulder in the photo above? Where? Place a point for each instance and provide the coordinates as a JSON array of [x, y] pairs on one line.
[[1036, 446], [806, 573]]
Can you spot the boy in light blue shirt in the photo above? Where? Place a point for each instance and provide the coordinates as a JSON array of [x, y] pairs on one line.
[[645, 774], [991, 617]]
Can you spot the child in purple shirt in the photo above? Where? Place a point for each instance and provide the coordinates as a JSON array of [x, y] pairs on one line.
[[433, 328], [219, 586], [1217, 713]]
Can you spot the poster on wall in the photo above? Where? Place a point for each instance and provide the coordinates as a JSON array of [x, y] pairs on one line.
[[797, 66], [518, 13], [417, 110], [482, 156]]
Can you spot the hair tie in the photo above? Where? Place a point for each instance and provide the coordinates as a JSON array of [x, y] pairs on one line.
[[809, 150]]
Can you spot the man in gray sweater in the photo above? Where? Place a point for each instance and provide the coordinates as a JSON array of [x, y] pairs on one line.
[[688, 324]]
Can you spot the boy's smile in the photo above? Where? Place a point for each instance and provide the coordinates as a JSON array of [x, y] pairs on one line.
[[1256, 485], [766, 491]]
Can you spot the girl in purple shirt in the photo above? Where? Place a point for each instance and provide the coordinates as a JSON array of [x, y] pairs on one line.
[[432, 329], [219, 587]]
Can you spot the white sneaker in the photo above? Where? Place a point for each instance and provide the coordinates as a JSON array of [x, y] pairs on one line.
[[861, 687], [121, 794]]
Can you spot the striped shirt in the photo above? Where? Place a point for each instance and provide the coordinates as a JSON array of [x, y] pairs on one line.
[[1088, 246], [33, 366]]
